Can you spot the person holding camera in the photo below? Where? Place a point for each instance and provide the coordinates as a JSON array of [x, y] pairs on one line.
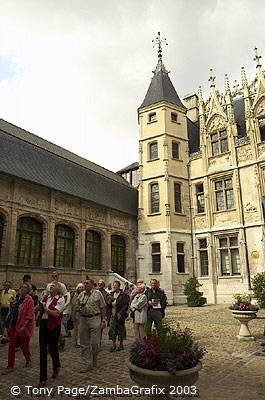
[[157, 302]]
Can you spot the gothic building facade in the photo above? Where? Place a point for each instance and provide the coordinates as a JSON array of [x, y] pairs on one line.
[[58, 210], [201, 186]]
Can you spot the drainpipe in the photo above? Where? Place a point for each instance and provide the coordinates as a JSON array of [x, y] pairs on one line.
[[191, 221]]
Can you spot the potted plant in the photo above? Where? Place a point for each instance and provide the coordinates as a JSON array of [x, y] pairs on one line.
[[244, 311], [166, 358]]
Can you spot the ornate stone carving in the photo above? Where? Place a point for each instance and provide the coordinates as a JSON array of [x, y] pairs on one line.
[[195, 156], [261, 108], [119, 221], [31, 197], [261, 148], [217, 123], [250, 208], [241, 141], [244, 153], [200, 222], [95, 214], [66, 207]]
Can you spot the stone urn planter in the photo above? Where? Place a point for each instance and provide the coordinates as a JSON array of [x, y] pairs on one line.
[[183, 380], [244, 317]]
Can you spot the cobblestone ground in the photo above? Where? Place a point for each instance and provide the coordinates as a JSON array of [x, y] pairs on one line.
[[231, 369]]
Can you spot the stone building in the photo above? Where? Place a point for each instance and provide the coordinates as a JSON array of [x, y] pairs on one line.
[[58, 210], [201, 185]]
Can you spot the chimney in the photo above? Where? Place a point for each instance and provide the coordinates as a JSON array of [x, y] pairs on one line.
[[191, 102]]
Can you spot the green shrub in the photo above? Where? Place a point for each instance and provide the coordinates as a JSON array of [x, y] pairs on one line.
[[258, 285], [194, 296]]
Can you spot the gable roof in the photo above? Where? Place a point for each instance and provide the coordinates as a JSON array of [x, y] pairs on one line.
[[32, 158]]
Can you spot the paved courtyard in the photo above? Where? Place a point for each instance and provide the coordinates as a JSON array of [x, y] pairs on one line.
[[231, 369]]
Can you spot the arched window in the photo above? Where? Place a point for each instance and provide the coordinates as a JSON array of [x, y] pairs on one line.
[[64, 247], [2, 221], [118, 254], [29, 241], [93, 250]]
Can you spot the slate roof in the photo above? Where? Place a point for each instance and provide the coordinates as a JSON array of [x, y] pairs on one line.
[[32, 158], [130, 167], [161, 88]]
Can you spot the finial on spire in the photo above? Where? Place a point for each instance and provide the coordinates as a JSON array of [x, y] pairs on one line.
[[236, 87], [212, 79], [227, 85], [244, 77], [257, 58], [158, 41]]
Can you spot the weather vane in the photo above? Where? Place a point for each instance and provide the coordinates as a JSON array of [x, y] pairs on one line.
[[158, 41]]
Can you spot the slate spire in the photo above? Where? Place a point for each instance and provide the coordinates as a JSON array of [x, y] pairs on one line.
[[161, 87]]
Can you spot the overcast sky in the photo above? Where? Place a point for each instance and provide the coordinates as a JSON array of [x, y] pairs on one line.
[[75, 71]]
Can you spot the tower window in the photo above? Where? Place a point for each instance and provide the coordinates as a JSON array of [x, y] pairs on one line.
[[177, 196], [203, 256], [156, 257], [153, 151], [175, 150], [200, 198], [154, 198], [152, 117], [261, 122], [219, 142], [180, 257], [174, 117]]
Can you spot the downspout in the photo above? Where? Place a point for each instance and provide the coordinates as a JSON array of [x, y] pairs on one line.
[[244, 233], [191, 221]]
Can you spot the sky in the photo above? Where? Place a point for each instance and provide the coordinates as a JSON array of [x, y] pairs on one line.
[[75, 71]]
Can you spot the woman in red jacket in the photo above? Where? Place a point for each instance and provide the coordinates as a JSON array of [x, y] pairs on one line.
[[20, 326], [50, 327]]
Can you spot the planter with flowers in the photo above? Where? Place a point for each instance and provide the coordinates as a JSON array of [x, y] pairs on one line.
[[167, 358], [244, 311]]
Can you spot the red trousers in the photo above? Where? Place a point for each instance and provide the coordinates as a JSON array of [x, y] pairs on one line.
[[14, 341]]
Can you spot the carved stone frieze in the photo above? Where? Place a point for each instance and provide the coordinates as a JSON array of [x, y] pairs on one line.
[[95, 214], [63, 206], [31, 197], [119, 221]]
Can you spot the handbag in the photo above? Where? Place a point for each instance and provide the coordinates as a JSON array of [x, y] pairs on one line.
[[70, 324]]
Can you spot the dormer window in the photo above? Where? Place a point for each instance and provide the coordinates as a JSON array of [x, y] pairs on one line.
[[219, 142], [261, 122], [152, 117], [174, 117]]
